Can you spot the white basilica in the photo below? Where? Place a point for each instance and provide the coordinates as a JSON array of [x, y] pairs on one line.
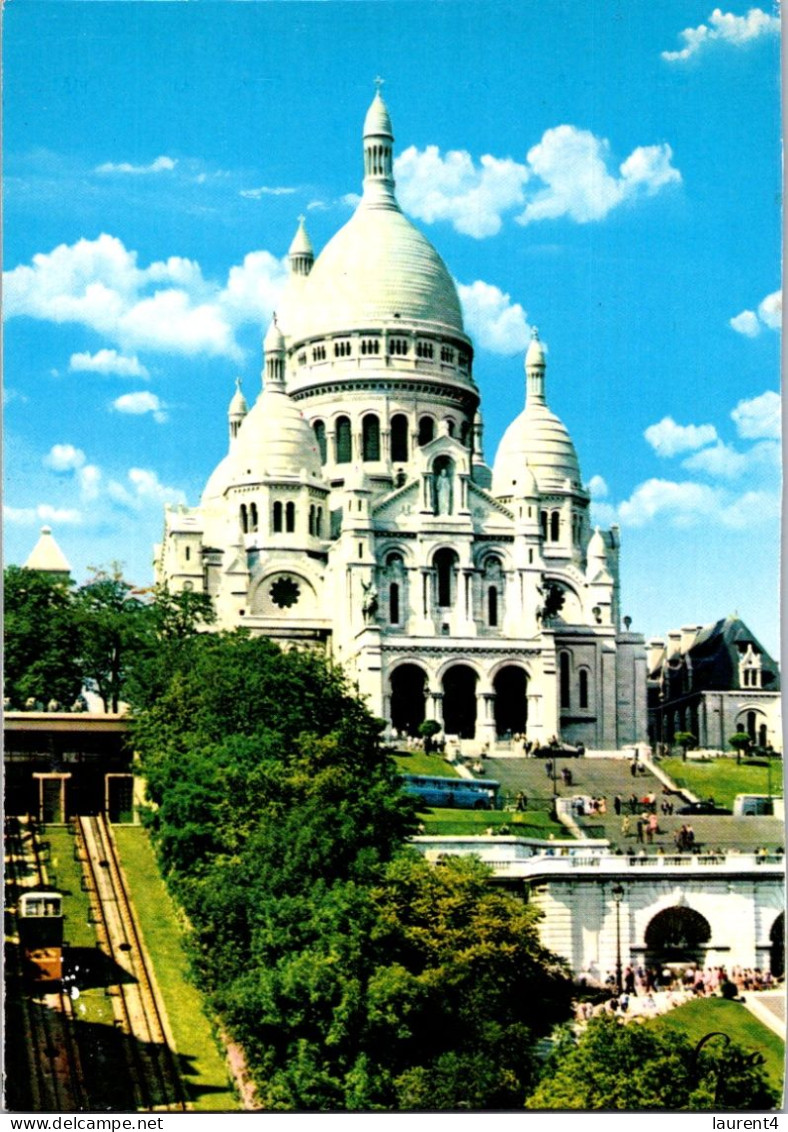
[[354, 511]]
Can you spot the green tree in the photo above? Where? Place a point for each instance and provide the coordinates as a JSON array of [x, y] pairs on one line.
[[41, 638], [740, 741], [686, 740], [633, 1067], [113, 622], [355, 975]]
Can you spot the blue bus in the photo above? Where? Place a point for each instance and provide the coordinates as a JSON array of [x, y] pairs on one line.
[[453, 793]]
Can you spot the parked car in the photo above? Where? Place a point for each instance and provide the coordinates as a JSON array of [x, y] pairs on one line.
[[709, 807], [561, 752]]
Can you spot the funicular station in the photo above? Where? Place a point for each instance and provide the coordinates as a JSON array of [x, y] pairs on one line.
[[62, 764]]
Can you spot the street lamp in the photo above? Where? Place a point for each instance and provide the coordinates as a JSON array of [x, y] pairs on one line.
[[617, 893]]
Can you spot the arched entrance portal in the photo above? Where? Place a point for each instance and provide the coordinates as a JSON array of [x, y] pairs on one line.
[[407, 698], [459, 702], [777, 950], [677, 935], [511, 706]]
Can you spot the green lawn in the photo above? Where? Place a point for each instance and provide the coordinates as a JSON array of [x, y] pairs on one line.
[[722, 779], [704, 1015], [416, 762], [203, 1066], [464, 823]]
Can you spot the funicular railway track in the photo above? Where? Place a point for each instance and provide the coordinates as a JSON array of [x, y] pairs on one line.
[[55, 1074], [151, 1061]]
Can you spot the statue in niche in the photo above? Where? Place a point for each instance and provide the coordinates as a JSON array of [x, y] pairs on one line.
[[369, 605], [443, 493]]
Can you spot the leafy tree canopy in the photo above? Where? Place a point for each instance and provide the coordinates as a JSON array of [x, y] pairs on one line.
[[41, 639], [355, 975], [633, 1066]]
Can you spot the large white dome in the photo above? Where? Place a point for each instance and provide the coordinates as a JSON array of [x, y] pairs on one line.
[[375, 270]]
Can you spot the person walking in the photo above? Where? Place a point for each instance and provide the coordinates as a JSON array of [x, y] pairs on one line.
[[617, 805]]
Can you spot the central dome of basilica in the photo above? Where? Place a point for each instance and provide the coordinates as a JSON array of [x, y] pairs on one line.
[[378, 267]]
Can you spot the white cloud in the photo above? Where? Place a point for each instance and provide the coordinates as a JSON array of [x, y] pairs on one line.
[[452, 187], [253, 288], [759, 417], [90, 479], [725, 462], [143, 489], [724, 27], [496, 323], [687, 504], [44, 512], [668, 438], [267, 191], [140, 403], [160, 165], [770, 314], [746, 323], [573, 165], [107, 362], [597, 487], [64, 458], [168, 306]]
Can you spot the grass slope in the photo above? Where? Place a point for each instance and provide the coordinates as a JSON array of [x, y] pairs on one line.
[[704, 1015], [722, 779], [464, 823], [205, 1074], [416, 762]]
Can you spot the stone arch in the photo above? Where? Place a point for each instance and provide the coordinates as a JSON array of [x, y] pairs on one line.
[[751, 719], [677, 934], [510, 685], [400, 430], [777, 949], [408, 687], [459, 700]]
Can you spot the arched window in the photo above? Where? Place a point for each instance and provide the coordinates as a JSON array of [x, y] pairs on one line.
[[244, 520], [543, 521], [290, 517], [394, 603], [320, 437], [253, 517], [277, 518], [312, 519], [555, 522], [399, 438], [762, 735], [445, 561], [450, 426], [751, 725], [426, 430], [563, 673], [319, 522], [583, 687], [464, 430], [344, 442], [492, 607], [370, 436]]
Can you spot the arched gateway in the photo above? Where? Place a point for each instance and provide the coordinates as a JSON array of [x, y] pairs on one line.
[[677, 935], [459, 701], [408, 692], [511, 706]]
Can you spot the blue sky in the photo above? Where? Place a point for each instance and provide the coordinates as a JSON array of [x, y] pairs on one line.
[[608, 171]]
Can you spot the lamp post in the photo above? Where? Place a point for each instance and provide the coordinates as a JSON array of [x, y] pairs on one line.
[[617, 893]]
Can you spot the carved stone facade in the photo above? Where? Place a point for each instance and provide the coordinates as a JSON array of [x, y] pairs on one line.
[[354, 510]]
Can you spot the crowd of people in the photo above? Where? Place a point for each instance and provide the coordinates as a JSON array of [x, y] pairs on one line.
[[652, 990]]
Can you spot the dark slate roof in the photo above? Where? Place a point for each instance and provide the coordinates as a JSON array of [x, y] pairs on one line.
[[715, 655]]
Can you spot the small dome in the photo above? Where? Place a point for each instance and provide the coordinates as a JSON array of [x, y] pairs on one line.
[[274, 342], [301, 244], [539, 438], [238, 406], [596, 546], [377, 122], [274, 441], [535, 353]]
